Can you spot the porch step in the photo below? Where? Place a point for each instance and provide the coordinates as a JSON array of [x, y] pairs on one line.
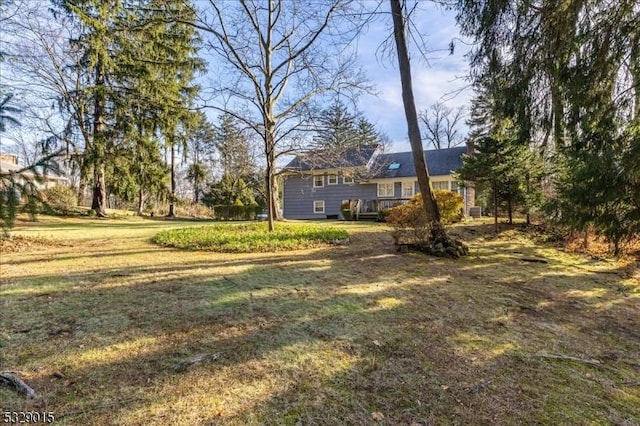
[[368, 216]]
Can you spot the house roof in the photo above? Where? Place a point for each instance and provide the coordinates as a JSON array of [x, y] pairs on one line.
[[400, 164], [394, 165], [330, 159]]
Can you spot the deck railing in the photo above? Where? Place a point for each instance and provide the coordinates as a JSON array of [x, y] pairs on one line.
[[391, 202], [372, 207]]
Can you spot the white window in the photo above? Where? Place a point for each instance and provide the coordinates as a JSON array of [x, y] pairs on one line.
[[318, 181], [332, 180], [385, 189], [347, 180], [455, 188], [442, 185], [408, 189], [318, 206]]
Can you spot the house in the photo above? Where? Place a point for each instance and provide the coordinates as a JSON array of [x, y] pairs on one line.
[[315, 187], [9, 164]]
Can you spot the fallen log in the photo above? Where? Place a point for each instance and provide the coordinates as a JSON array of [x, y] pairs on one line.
[[16, 383], [534, 260], [186, 364], [570, 358]]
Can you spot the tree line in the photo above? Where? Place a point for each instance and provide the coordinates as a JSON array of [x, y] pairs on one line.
[[117, 86], [555, 121]]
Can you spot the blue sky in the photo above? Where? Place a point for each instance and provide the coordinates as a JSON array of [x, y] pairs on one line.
[[439, 78], [436, 79]]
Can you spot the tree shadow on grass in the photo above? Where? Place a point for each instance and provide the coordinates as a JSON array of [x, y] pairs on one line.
[[332, 336]]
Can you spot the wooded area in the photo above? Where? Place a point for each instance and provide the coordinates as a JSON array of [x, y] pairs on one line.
[[118, 95]]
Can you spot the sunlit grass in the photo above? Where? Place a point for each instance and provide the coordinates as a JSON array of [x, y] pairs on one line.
[[250, 237], [96, 322]]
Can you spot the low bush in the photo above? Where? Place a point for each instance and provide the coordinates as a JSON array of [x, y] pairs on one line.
[[250, 237], [60, 199], [237, 211], [194, 210], [409, 221], [450, 204], [412, 227]]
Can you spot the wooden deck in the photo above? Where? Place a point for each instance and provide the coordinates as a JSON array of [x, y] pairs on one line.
[[370, 209]]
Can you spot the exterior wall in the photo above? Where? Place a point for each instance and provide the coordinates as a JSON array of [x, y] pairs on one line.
[[299, 195]]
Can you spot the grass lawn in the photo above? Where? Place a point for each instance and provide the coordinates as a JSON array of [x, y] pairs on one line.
[[95, 317]]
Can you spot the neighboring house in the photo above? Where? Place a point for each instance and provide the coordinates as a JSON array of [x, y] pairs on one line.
[[367, 179], [9, 164]]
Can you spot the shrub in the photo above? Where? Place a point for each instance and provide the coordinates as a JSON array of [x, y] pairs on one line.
[[60, 199], [410, 222], [450, 204], [237, 211], [345, 210], [250, 237], [193, 210]]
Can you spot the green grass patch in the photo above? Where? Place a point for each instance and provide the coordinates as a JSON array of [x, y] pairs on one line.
[[250, 237]]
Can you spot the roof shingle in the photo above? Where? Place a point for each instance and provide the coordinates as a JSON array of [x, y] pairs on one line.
[[439, 161]]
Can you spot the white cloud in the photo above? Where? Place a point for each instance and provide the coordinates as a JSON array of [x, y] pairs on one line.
[[441, 80]]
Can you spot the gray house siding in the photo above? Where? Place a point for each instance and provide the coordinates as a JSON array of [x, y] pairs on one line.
[[299, 195]]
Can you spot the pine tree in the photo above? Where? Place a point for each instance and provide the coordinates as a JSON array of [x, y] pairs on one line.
[[337, 128], [142, 65], [502, 167], [570, 73]]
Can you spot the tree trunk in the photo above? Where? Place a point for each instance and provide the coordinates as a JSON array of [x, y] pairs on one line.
[[82, 186], [635, 69], [99, 203], [276, 200], [510, 207], [269, 180], [428, 198], [585, 242], [495, 208], [140, 201], [558, 114], [172, 208]]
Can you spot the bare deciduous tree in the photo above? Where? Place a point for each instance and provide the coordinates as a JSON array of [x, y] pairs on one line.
[[442, 125], [275, 58]]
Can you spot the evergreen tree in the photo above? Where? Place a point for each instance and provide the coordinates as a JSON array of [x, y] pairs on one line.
[[234, 148], [569, 76], [339, 129], [236, 159], [141, 66], [502, 167], [196, 174]]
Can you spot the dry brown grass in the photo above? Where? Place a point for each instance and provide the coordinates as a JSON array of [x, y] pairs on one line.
[[355, 334], [598, 246]]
